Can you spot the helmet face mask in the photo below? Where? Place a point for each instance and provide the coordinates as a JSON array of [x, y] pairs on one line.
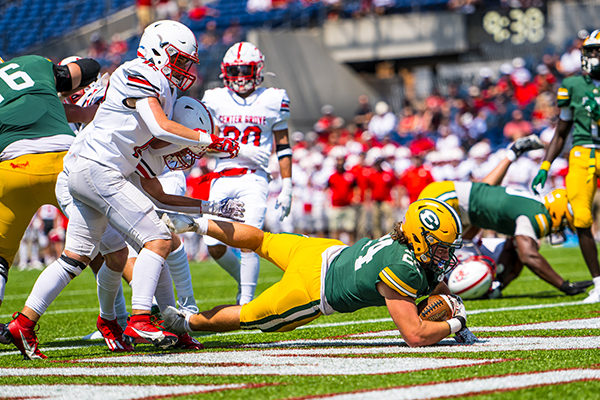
[[590, 54], [241, 68], [192, 114], [433, 230], [172, 48]]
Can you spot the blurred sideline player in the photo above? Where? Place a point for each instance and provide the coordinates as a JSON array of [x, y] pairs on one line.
[[34, 136], [513, 213], [136, 111], [578, 98], [255, 117], [323, 276]]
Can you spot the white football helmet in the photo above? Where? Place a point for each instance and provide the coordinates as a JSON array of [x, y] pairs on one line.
[[242, 67], [192, 114], [473, 277], [172, 48], [590, 54]]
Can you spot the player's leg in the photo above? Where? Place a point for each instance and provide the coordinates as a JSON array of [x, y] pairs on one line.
[[180, 272], [581, 186], [27, 183], [516, 149]]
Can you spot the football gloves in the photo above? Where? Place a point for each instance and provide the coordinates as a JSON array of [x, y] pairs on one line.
[[256, 154], [592, 106], [5, 336], [465, 336], [539, 180], [175, 320], [178, 223], [227, 208], [284, 200], [224, 145], [462, 335]]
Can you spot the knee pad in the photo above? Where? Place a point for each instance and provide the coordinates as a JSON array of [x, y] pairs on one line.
[[72, 266], [4, 269]]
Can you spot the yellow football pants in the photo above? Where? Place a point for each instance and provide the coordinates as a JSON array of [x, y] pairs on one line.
[[295, 299], [584, 169], [26, 183]]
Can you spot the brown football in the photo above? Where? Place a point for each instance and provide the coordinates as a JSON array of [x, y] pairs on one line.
[[434, 308]]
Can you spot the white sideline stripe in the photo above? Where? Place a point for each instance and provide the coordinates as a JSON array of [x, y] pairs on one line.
[[255, 363], [448, 345], [589, 323], [107, 392], [473, 386]]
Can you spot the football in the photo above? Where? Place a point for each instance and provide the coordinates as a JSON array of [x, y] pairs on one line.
[[471, 279], [434, 308]]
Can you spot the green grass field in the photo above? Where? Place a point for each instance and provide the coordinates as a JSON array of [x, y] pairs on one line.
[[353, 354]]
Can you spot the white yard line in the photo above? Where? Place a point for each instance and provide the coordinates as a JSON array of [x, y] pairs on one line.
[[473, 386]]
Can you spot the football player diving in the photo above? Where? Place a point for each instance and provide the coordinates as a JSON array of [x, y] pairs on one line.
[[485, 205], [323, 276], [578, 98]]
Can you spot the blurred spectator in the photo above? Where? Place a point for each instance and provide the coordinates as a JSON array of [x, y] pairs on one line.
[[344, 194], [517, 127], [145, 13], [324, 124], [410, 123], [384, 121], [525, 91], [233, 34], [485, 74], [362, 172], [415, 178], [98, 48], [382, 6], [198, 11], [209, 37], [570, 62], [117, 49], [544, 80], [379, 198], [253, 6], [363, 113], [167, 9]]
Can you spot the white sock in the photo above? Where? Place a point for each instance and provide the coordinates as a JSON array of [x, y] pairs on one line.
[[230, 263], [164, 294], [146, 272], [596, 281], [248, 276], [109, 283], [2, 287], [121, 304], [180, 272], [48, 286]]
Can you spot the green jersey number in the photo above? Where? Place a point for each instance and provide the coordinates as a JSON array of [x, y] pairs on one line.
[[381, 243], [12, 79]]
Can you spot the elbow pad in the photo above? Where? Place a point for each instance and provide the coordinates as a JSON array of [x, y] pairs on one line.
[[90, 70]]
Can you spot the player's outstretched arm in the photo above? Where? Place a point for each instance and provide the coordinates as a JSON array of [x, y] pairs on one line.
[[403, 311]]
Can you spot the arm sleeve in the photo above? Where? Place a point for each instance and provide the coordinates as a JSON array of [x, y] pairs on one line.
[[566, 114], [143, 108], [524, 227], [180, 209], [563, 97]]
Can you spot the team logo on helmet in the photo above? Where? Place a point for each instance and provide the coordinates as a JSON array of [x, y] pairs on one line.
[[429, 219]]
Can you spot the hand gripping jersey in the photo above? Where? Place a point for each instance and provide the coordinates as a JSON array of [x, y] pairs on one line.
[[118, 142], [29, 105], [572, 94], [250, 121], [350, 282], [497, 208]]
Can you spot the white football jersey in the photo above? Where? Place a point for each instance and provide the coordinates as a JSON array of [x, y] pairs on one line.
[[250, 121], [117, 136]]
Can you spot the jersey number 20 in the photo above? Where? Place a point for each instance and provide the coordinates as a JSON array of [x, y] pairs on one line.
[[232, 131]]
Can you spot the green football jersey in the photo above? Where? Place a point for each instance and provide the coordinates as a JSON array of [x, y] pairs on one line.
[[29, 104], [572, 94], [350, 282], [497, 208]]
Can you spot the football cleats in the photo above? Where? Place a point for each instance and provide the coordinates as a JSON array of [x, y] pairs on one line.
[[433, 230], [172, 48], [242, 67], [590, 54], [561, 213], [190, 113]]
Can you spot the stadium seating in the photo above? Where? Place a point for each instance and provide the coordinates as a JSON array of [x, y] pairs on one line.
[[32, 22]]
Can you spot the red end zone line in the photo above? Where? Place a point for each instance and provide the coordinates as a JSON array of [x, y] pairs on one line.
[[470, 387]]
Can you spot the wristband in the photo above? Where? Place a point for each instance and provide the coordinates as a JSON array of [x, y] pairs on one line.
[[456, 324], [546, 165], [202, 228]]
